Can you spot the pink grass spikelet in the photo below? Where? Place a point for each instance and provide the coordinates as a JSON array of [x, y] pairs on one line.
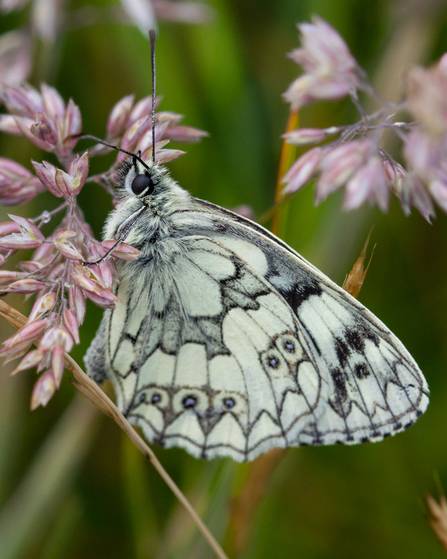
[[64, 246], [84, 280], [415, 194], [43, 118], [29, 236], [8, 125], [104, 299], [27, 226], [76, 300], [43, 129], [71, 125], [104, 275], [14, 352], [133, 134], [26, 335], [31, 360], [78, 172], [438, 190], [305, 136], [8, 227], [15, 52], [329, 67], [119, 116], [339, 164], [47, 175], [123, 251], [29, 266], [28, 129], [6, 276], [17, 185], [93, 290], [183, 133], [25, 286], [164, 156], [23, 101], [427, 97], [43, 390], [42, 306], [71, 324], [53, 102], [57, 363], [141, 109], [56, 336], [368, 184], [302, 170]]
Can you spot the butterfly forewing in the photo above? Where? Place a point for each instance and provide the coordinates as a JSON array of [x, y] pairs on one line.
[[228, 343]]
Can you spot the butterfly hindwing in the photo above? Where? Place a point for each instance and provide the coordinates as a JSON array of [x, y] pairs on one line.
[[375, 386], [234, 344]]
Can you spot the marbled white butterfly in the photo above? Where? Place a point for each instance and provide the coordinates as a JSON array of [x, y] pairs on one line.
[[227, 342]]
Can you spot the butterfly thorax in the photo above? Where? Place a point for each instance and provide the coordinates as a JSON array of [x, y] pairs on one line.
[[156, 221]]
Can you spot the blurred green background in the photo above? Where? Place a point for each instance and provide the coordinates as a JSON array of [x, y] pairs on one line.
[[71, 486]]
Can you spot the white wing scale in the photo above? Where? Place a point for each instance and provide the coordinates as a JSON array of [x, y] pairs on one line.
[[231, 344]]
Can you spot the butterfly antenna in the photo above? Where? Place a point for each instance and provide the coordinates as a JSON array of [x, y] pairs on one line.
[[104, 143], [152, 40]]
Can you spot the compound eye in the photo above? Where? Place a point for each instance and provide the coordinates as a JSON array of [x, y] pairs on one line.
[[140, 183]]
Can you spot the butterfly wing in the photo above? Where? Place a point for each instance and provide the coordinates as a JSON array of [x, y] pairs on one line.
[[234, 344], [375, 388]]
